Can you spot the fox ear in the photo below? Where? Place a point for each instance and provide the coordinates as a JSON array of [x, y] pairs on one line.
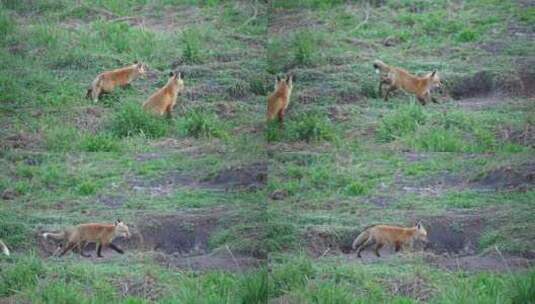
[[136, 62], [171, 74], [278, 78], [433, 74], [419, 225], [117, 222], [180, 75]]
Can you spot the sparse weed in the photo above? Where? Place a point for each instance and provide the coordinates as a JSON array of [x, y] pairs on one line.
[[403, 120], [304, 48], [191, 46], [198, 123], [311, 126], [131, 120]]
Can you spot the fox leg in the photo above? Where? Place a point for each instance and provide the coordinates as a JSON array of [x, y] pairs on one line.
[[99, 250], [388, 91], [421, 99], [363, 246], [114, 247], [81, 247], [281, 117], [168, 111], [69, 246], [95, 93], [377, 248], [398, 246]]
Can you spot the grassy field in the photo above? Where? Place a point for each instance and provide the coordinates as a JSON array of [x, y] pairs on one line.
[[226, 209]]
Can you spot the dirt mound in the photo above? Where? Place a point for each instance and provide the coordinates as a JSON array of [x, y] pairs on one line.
[[321, 242], [508, 178], [453, 234], [485, 83], [184, 235], [249, 177]]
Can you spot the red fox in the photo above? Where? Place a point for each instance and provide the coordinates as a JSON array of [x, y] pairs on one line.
[[102, 234], [390, 235], [107, 81], [397, 78], [4, 248], [278, 100], [164, 100]]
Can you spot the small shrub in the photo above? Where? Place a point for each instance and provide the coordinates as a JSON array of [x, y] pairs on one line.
[[131, 120], [86, 188], [311, 127], [104, 142], [370, 89], [303, 48], [254, 288], [403, 120], [523, 289], [61, 139], [257, 87], [356, 188], [24, 274], [466, 36], [191, 46], [273, 131], [59, 292], [238, 90], [198, 124], [437, 140]]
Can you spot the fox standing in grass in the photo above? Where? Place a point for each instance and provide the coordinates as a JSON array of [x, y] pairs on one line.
[[278, 101], [102, 234], [164, 100], [107, 81], [397, 78], [4, 248], [380, 235]]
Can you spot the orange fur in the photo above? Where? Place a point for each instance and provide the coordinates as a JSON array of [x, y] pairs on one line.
[[397, 78], [107, 81], [380, 235], [102, 234], [164, 100], [278, 100]]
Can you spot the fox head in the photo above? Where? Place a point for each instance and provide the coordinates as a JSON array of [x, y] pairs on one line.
[[177, 78], [421, 233], [121, 229], [141, 68], [435, 80], [285, 83]]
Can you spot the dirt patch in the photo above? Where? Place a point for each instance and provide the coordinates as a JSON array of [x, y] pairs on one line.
[[321, 242], [486, 83], [89, 119], [22, 140], [453, 234], [222, 259], [225, 110], [416, 288], [112, 201], [180, 234], [285, 21], [145, 287], [521, 177], [524, 136], [492, 262], [248, 177]]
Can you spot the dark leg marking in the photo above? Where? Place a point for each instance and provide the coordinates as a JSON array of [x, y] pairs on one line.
[[67, 248], [114, 247], [99, 251], [377, 248]]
